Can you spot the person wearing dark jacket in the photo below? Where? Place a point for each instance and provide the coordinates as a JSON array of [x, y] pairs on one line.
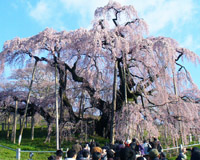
[[96, 156], [127, 154], [156, 144], [195, 153], [133, 144], [139, 149], [85, 155], [110, 154]]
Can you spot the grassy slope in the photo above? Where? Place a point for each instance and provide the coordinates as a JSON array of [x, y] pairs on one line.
[[36, 145]]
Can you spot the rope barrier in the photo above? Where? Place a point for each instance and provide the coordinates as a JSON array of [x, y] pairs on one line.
[[8, 148], [179, 147]]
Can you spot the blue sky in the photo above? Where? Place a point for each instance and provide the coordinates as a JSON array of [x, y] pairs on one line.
[[179, 19]]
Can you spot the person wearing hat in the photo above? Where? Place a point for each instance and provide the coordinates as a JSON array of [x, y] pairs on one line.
[[127, 143], [154, 154]]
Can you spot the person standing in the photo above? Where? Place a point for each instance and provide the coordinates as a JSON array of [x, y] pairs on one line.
[[145, 145], [77, 147], [156, 144], [195, 153], [139, 149]]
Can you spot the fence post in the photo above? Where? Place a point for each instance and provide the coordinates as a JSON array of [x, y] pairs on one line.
[[18, 153], [180, 148], [190, 137]]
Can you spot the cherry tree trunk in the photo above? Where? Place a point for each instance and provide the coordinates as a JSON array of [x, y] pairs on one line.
[[20, 122], [125, 82], [26, 122], [2, 127], [82, 116], [57, 118], [176, 93], [49, 131], [166, 135], [5, 122], [14, 123], [112, 127], [103, 125], [62, 90], [32, 127], [8, 128], [28, 99], [177, 145], [81, 112], [86, 132]]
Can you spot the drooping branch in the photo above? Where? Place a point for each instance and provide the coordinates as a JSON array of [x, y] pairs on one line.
[[132, 22], [180, 55]]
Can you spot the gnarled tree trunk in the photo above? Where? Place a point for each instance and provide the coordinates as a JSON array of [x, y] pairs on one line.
[[14, 123], [112, 127]]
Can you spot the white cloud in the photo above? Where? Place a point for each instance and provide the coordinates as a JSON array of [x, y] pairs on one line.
[[85, 9], [47, 13], [191, 43], [42, 12], [160, 13], [14, 5], [188, 42], [157, 13]]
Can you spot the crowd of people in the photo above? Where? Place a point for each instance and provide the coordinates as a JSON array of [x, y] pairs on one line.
[[128, 150]]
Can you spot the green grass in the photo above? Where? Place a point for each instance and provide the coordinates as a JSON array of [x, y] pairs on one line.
[[27, 144], [36, 145]]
